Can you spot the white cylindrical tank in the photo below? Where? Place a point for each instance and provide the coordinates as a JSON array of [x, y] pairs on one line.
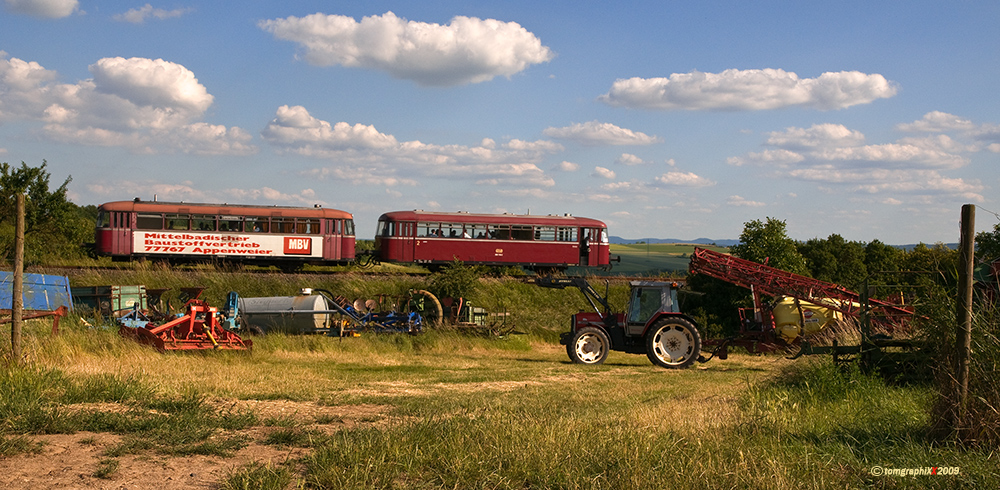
[[292, 314]]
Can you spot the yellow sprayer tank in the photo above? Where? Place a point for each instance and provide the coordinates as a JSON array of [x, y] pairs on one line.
[[799, 318]]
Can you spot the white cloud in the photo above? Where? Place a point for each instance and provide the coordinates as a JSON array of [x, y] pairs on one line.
[[596, 133], [467, 50], [936, 122], [295, 126], [363, 155], [157, 83], [603, 173], [684, 179], [749, 90], [139, 15], [817, 136], [832, 154], [628, 159], [48, 9], [565, 166], [739, 201], [147, 106]]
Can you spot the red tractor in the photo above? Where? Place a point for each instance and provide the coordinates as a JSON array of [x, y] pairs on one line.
[[653, 324]]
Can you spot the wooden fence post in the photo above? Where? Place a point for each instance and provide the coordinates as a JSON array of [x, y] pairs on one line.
[[17, 296], [963, 331]]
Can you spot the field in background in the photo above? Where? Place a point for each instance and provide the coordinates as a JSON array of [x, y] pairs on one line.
[[656, 259]]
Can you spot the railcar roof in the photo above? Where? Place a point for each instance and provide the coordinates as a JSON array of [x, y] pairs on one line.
[[462, 217], [223, 209]]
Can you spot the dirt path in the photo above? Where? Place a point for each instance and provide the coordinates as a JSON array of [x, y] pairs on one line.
[[71, 461]]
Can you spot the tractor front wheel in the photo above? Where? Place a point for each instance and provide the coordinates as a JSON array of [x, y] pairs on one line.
[[673, 343], [589, 345]]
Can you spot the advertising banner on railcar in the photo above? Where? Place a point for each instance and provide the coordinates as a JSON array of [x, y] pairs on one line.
[[193, 243]]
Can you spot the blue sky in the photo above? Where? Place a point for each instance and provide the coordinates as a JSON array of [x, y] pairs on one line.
[[873, 120]]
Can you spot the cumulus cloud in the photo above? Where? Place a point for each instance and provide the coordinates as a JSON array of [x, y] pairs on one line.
[[739, 201], [604, 173], [840, 160], [46, 9], [565, 166], [362, 154], [937, 122], [596, 133], [186, 191], [139, 15], [684, 179], [749, 90], [467, 50], [629, 159], [147, 106]]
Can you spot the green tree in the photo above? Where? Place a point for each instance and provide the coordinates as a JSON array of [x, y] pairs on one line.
[[835, 260], [54, 226], [767, 242], [988, 245]]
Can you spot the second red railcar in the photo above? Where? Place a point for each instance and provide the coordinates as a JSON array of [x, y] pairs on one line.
[[532, 241]]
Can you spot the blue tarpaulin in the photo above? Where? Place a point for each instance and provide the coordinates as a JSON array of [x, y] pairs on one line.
[[41, 292]]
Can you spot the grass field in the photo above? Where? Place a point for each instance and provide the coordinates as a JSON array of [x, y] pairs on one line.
[[657, 259], [448, 410]]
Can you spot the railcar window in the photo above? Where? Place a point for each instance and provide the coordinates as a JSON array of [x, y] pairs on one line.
[[520, 232], [385, 228], [430, 229], [101, 216], [474, 231], [547, 233], [202, 222], [604, 235], [257, 224], [349, 227], [283, 225], [305, 226], [499, 232], [177, 221], [566, 234], [149, 222], [231, 224], [451, 230]]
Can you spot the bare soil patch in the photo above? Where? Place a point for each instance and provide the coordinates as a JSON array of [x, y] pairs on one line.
[[70, 461]]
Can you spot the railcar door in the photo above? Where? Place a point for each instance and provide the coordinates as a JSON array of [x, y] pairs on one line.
[[590, 247], [121, 232], [407, 231], [332, 239]]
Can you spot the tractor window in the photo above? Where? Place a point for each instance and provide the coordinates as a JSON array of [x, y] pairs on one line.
[[644, 304]]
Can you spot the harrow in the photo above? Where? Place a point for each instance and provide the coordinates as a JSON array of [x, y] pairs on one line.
[[199, 329]]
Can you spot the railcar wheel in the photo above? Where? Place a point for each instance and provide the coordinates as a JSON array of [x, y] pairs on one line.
[[673, 343], [589, 345]]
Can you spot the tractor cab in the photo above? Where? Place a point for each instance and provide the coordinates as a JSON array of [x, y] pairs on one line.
[[646, 300]]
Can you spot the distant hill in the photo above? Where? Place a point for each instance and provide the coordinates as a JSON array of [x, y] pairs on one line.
[[698, 241]]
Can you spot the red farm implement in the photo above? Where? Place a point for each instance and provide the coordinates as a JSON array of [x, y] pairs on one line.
[[199, 329]]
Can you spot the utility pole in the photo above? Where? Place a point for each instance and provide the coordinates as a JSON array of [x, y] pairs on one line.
[[963, 331], [17, 296]]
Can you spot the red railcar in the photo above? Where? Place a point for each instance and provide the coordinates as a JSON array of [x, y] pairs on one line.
[[532, 241], [185, 232]]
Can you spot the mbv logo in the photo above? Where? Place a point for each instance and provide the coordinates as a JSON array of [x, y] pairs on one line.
[[298, 246]]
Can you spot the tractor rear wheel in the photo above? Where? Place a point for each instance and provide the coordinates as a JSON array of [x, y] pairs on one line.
[[589, 345], [673, 343]]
